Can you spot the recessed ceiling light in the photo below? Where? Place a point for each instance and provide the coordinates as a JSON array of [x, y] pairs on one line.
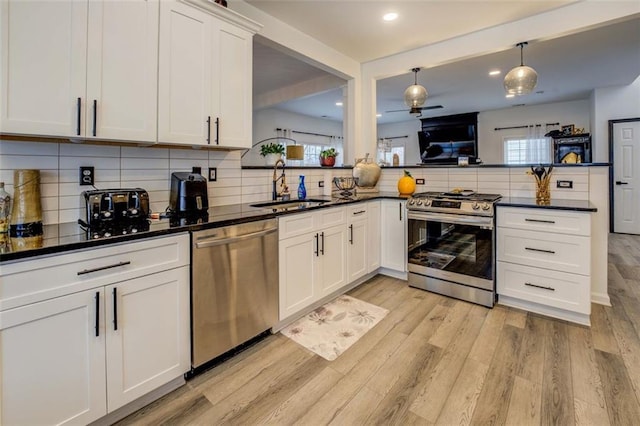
[[391, 16], [495, 72], [338, 103], [509, 96], [378, 115]]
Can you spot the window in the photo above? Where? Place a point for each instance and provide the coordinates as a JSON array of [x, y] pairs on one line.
[[520, 150], [388, 155]]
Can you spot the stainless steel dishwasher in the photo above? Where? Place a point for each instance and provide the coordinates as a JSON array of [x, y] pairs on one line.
[[234, 286]]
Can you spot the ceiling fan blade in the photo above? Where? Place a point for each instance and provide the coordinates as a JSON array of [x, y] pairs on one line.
[[433, 107], [397, 110], [421, 108]]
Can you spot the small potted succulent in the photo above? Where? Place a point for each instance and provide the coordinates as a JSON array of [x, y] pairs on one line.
[[272, 152], [328, 157]]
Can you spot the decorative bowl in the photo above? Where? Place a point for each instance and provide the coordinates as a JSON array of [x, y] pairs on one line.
[[345, 185]]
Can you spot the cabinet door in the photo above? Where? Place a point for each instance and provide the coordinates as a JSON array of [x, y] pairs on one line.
[[332, 274], [357, 261], [122, 70], [232, 82], [298, 259], [52, 368], [147, 334], [393, 236], [184, 75], [43, 68], [373, 235]]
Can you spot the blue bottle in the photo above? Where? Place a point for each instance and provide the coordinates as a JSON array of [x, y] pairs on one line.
[[302, 191]]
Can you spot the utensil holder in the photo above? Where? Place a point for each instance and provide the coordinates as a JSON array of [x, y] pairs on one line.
[[25, 227]]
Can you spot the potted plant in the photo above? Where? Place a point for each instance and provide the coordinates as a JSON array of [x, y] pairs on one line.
[[272, 152], [328, 157]]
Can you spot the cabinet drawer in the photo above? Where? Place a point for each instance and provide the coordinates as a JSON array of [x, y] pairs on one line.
[[330, 217], [39, 279], [558, 221], [545, 250], [295, 224], [357, 212], [557, 289]]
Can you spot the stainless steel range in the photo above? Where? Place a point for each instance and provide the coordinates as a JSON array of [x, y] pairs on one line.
[[451, 244]]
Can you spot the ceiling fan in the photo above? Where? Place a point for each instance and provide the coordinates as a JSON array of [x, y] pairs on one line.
[[417, 111]]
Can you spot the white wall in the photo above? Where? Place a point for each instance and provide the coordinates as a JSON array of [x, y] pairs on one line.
[[265, 121], [490, 141], [612, 103]]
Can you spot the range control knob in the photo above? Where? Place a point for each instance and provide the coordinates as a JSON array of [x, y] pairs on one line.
[[419, 202], [412, 201], [107, 234], [427, 203], [475, 206], [486, 206]]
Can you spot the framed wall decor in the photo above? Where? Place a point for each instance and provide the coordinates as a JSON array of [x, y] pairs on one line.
[[568, 129]]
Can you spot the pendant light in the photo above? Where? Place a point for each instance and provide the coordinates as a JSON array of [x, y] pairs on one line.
[[415, 96], [520, 80]]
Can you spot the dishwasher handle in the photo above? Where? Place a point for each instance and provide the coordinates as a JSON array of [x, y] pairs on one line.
[[216, 241]]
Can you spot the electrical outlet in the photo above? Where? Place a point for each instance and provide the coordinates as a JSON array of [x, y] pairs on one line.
[[213, 174], [568, 184], [321, 184], [87, 175], [419, 181]]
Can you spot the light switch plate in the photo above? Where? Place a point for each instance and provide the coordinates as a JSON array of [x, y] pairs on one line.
[[567, 184], [419, 181]]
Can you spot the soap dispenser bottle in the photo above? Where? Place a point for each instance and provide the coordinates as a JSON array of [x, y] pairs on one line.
[[302, 190]]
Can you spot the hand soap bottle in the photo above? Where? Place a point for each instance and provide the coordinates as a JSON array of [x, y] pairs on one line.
[[302, 191]]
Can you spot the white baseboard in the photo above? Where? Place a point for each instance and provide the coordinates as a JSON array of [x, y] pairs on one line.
[[601, 299], [393, 273], [583, 319]]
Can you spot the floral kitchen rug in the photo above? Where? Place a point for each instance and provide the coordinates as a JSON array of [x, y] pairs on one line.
[[331, 329]]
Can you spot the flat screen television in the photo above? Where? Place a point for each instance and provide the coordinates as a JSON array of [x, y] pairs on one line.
[[443, 139]]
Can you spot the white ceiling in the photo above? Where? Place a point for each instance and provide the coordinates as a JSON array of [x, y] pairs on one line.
[[569, 67]]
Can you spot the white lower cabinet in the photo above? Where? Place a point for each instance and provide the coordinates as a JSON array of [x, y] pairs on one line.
[[393, 235], [358, 229], [312, 264], [79, 356], [373, 235], [544, 261]]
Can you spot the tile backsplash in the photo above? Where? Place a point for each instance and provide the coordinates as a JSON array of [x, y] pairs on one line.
[[151, 167]]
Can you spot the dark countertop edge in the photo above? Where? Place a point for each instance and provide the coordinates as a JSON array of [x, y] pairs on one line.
[[80, 245], [434, 166], [571, 205]]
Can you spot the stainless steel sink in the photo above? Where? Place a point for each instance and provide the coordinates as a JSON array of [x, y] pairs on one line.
[[290, 205]]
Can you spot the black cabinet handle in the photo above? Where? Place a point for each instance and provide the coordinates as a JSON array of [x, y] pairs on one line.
[[79, 114], [209, 130], [540, 286], [322, 249], [316, 251], [359, 212], [400, 210], [95, 115], [97, 313], [115, 310], [102, 268], [217, 130], [618, 182], [351, 234], [539, 220], [540, 250]]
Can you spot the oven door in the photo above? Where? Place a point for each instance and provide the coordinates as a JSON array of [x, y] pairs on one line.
[[451, 247]]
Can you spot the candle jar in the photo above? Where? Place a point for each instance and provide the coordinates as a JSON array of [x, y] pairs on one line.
[[543, 193]]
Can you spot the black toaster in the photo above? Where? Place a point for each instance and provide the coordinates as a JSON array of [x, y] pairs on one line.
[[116, 205]]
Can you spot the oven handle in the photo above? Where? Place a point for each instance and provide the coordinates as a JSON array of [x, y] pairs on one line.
[[484, 221]]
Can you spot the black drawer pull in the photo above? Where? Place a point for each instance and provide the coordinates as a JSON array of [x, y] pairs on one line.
[[359, 212], [115, 310], [316, 251], [540, 250], [351, 234], [97, 313], [102, 268], [539, 220], [619, 182], [540, 286]]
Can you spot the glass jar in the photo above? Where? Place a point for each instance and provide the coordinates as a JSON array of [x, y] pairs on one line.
[[5, 208]]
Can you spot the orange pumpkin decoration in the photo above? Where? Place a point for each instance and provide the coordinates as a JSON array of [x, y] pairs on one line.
[[406, 184]]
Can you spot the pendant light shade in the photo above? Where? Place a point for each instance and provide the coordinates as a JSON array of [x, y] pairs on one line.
[[415, 96], [520, 80], [295, 152]]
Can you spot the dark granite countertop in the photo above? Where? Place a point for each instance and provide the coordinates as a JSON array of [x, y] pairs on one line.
[[69, 236], [574, 205]]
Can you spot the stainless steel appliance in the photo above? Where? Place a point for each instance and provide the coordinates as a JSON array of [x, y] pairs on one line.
[[234, 286], [451, 244], [110, 212]]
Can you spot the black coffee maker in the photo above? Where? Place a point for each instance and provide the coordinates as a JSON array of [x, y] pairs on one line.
[[188, 194]]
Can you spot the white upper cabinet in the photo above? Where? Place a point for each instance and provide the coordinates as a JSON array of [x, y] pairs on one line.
[[44, 48], [85, 69], [184, 91], [205, 76], [122, 70]]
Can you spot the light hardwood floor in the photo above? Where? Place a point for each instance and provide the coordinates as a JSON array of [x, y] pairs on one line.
[[435, 360]]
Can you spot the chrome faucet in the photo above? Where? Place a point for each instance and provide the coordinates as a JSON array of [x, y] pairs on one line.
[[275, 194]]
